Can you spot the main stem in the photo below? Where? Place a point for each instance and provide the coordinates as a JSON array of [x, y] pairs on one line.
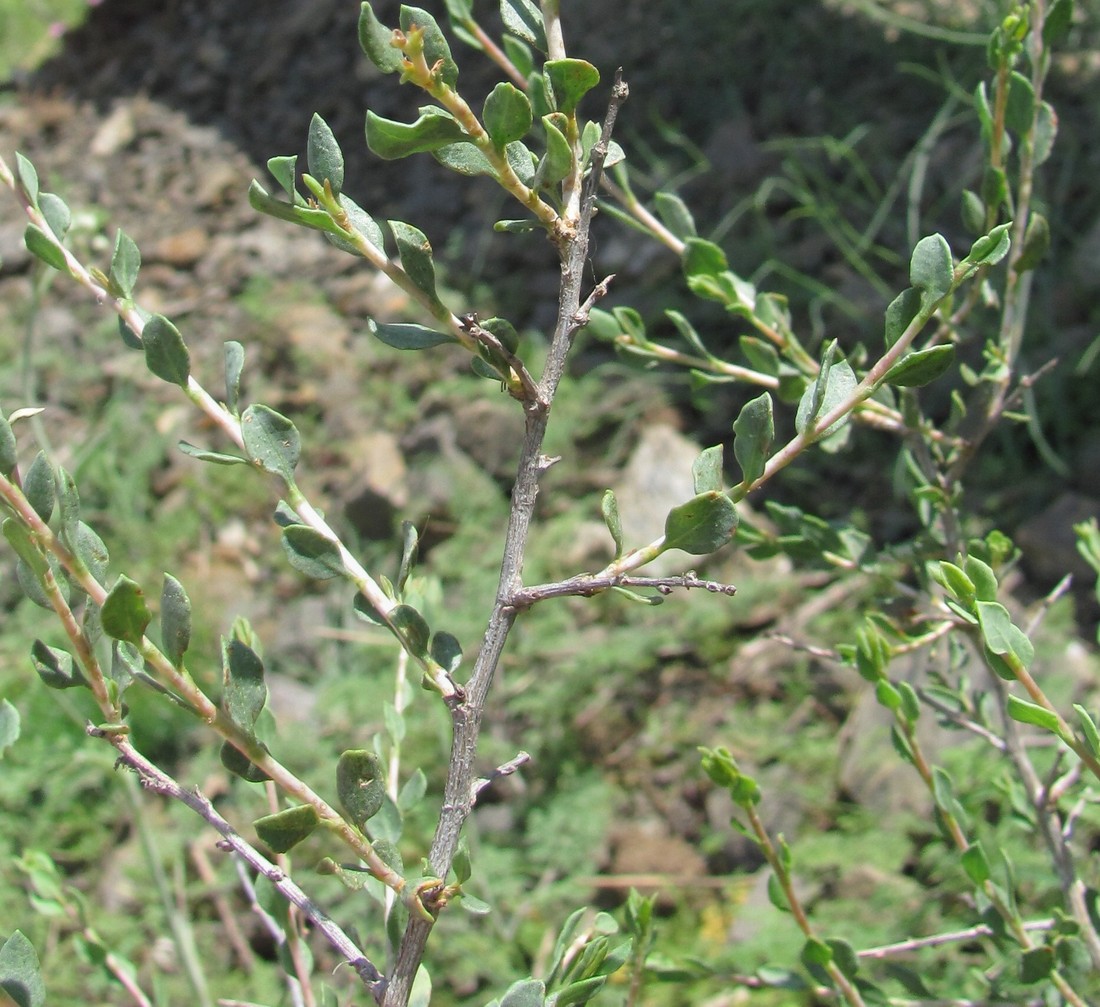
[[466, 712]]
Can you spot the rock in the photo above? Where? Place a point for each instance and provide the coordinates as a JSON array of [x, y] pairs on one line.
[[371, 502], [656, 479], [115, 133], [182, 249]]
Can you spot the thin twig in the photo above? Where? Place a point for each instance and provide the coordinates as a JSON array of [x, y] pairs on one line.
[[154, 779], [586, 585]]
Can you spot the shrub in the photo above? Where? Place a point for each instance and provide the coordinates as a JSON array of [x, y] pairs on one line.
[[957, 329]]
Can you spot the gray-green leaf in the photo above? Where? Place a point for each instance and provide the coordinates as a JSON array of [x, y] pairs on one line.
[[416, 256], [753, 433], [702, 525], [323, 154], [271, 441], [284, 830], [931, 270], [312, 553], [921, 366], [175, 620], [359, 785], [391, 140], [245, 689], [165, 352], [506, 115]]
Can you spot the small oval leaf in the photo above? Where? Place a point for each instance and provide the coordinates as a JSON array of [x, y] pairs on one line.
[[284, 830], [312, 553], [271, 441], [165, 352], [359, 785], [702, 525], [125, 615], [921, 367]]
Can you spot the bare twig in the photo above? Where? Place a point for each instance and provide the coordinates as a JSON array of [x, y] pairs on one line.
[[154, 779], [586, 585], [504, 769]]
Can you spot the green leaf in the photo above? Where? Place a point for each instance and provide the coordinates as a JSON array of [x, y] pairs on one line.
[[416, 257], [285, 171], [284, 830], [319, 220], [816, 952], [43, 247], [675, 215], [1036, 964], [506, 114], [323, 154], [271, 441], [931, 270], [446, 651], [20, 973], [175, 620], [375, 39], [1088, 729], [902, 310], [26, 548], [9, 726], [243, 679], [702, 258], [524, 19], [465, 159], [921, 367], [129, 337], [609, 507], [412, 792], [1036, 243], [706, 470], [9, 456], [57, 213], [125, 615], [27, 178], [557, 162], [410, 543], [436, 49], [234, 365], [362, 222], [56, 668], [392, 140], [1057, 22], [753, 434], [125, 263], [524, 992], [834, 384], [973, 212], [982, 577], [165, 352], [976, 865], [702, 525], [571, 80], [411, 629], [1031, 713], [991, 248], [1046, 131], [844, 956], [887, 695], [999, 633], [406, 336], [215, 457], [68, 499], [359, 785], [238, 764], [39, 488], [312, 553], [1021, 103]]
